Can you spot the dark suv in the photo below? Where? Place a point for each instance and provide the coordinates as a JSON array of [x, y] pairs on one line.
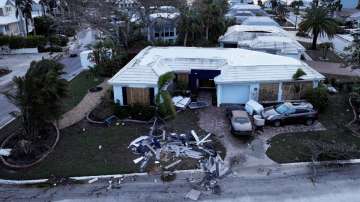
[[290, 112]]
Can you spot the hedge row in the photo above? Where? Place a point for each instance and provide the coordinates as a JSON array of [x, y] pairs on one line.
[[17, 42]]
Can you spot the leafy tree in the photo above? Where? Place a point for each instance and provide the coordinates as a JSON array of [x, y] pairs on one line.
[[107, 58], [38, 96], [318, 22], [25, 8], [318, 97], [281, 12], [187, 18], [274, 4], [354, 49], [163, 99], [43, 25]]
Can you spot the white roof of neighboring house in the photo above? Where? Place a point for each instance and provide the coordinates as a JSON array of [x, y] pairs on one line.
[[260, 20], [164, 15], [244, 32], [237, 65], [245, 7], [285, 44], [5, 20]]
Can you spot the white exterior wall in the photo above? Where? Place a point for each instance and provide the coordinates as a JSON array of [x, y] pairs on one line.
[[85, 61]]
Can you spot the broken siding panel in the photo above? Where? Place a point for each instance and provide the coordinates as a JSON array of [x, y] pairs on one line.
[[295, 90], [138, 96], [268, 92]]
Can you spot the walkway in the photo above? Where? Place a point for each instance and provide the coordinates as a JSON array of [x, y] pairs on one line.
[[87, 104], [333, 68]]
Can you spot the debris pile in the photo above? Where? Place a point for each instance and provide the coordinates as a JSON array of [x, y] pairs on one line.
[[169, 150]]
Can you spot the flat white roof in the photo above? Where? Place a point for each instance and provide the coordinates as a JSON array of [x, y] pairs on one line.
[[237, 65], [245, 7], [260, 21], [243, 32]]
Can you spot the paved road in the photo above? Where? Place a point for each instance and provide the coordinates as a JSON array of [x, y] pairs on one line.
[[252, 184], [85, 38]]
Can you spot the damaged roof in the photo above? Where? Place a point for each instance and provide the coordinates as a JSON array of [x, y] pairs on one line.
[[236, 65]]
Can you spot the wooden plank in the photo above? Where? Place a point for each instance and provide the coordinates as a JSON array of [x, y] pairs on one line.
[[138, 96], [295, 90], [268, 92]]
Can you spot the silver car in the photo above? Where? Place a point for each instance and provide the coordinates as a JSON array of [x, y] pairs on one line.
[[240, 123]]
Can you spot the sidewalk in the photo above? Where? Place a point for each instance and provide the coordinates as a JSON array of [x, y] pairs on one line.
[[87, 104]]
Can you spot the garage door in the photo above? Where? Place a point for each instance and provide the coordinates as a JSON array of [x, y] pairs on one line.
[[235, 94]]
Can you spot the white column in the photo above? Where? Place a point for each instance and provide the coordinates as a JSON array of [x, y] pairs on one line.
[[218, 95], [118, 95], [280, 92], [315, 84]]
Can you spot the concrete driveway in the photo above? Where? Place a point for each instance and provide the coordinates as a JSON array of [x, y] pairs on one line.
[[245, 152]]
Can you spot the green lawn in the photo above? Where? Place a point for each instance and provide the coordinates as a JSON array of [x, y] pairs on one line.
[[78, 154], [78, 88], [286, 148]]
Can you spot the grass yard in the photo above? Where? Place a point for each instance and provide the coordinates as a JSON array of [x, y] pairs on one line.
[[287, 148], [78, 88], [78, 153]]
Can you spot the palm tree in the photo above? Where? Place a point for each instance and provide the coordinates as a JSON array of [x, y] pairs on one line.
[[38, 96], [281, 12], [24, 7], [318, 22], [186, 22]]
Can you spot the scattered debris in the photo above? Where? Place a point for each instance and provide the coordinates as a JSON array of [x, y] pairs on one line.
[[93, 180], [5, 152], [100, 147], [173, 164], [193, 194], [181, 102]]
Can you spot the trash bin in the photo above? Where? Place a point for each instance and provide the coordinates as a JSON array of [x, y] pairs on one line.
[[259, 121]]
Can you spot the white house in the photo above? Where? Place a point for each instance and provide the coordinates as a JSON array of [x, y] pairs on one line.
[[237, 75], [270, 39], [163, 23], [10, 24], [260, 21]]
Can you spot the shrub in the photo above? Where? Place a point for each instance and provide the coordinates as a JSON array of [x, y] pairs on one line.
[[318, 97], [166, 107], [59, 40], [17, 42]]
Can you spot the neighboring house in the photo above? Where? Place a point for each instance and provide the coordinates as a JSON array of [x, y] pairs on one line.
[[241, 12], [237, 75], [9, 23], [37, 9], [260, 21], [269, 39], [163, 23]]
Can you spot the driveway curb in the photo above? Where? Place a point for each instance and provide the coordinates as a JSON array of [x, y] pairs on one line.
[[39, 181]]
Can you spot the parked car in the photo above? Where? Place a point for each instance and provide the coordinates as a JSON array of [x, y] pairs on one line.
[[240, 123], [290, 112]]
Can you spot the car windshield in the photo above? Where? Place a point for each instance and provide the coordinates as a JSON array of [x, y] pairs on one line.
[[241, 120], [284, 109]]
